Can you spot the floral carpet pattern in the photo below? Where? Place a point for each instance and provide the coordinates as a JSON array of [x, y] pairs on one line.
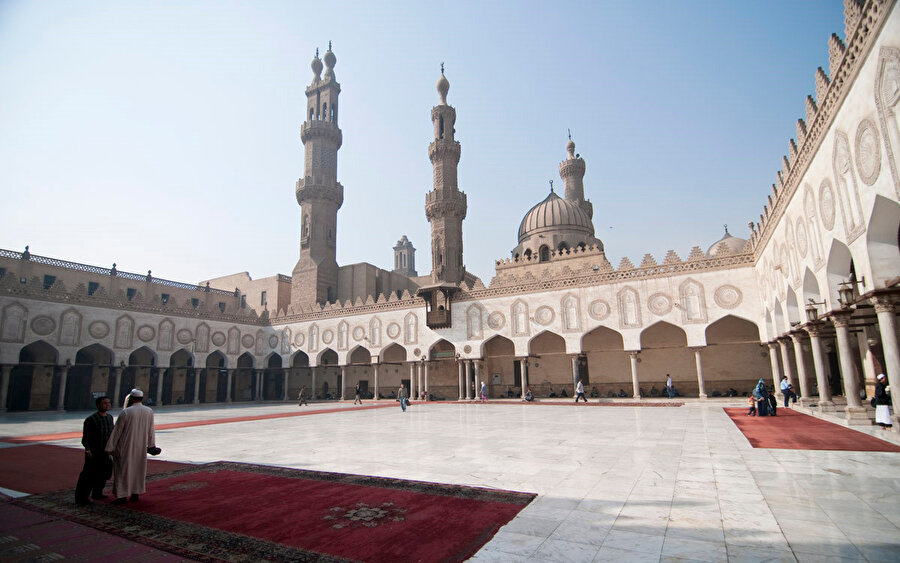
[[228, 511]]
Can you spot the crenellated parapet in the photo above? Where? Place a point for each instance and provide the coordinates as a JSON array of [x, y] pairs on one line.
[[863, 22]]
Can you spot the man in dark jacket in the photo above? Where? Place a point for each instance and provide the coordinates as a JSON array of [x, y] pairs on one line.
[[97, 464]]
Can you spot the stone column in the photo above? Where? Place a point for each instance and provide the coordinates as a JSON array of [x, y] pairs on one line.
[[312, 371], [412, 380], [61, 397], [815, 340], [375, 376], [426, 380], [343, 380], [700, 384], [887, 325], [117, 373], [284, 372], [867, 358], [161, 373], [786, 362], [633, 354], [228, 397], [197, 374], [524, 370], [574, 373], [856, 413], [805, 398], [260, 376], [476, 369], [776, 370], [5, 371], [462, 368], [469, 380]]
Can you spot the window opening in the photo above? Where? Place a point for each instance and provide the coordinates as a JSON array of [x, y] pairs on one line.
[[49, 281], [130, 293], [243, 301], [195, 302], [222, 306], [93, 287], [164, 298], [262, 298]]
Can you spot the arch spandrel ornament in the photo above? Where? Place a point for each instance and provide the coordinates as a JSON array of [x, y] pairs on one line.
[[868, 152], [520, 323], [234, 341], [693, 302], [474, 322], [847, 187], [124, 335], [166, 336], [827, 204], [375, 332], [286, 339], [70, 328], [887, 95], [314, 338], [201, 338], [570, 312], [343, 335], [12, 327], [410, 329], [629, 305]]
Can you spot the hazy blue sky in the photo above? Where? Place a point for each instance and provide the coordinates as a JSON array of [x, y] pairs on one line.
[[165, 135]]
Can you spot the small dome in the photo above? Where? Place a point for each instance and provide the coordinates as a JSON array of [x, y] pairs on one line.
[[554, 212], [330, 59], [570, 148], [443, 86], [316, 65], [727, 245]]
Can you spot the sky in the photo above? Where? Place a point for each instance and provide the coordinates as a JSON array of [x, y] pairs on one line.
[[164, 135]]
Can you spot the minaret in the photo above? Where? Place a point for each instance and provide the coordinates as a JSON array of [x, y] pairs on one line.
[[319, 193], [445, 205], [405, 258], [571, 170]]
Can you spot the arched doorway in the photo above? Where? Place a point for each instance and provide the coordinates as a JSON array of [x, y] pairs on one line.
[[443, 373], [300, 376], [328, 375], [243, 385], [394, 370], [664, 351], [608, 364], [549, 368], [139, 374], [273, 379], [178, 382], [359, 369], [31, 382], [500, 358], [733, 357], [214, 380], [89, 375]]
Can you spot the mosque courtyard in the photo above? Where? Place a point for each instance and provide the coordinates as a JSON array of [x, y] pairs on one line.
[[613, 483]]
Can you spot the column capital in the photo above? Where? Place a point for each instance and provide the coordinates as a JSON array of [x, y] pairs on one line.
[[697, 348], [797, 336], [883, 303], [633, 353], [841, 319], [773, 344], [814, 328]]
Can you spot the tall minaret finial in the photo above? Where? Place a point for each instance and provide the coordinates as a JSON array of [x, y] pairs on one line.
[[551, 186], [726, 229], [329, 44], [317, 52], [570, 134], [442, 68]]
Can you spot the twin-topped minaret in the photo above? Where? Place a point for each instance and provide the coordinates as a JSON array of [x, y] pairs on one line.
[[319, 194], [445, 205]]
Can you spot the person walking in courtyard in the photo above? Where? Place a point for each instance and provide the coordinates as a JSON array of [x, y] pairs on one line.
[[402, 395], [356, 397], [670, 387], [752, 404], [97, 465], [579, 391], [128, 443], [301, 397], [483, 392], [883, 403], [788, 391]]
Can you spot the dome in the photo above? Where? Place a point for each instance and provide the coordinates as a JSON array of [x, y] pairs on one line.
[[443, 86], [554, 212], [317, 65], [727, 245], [329, 57]]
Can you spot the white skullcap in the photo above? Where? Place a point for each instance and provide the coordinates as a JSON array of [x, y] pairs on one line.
[[137, 393], [880, 376]]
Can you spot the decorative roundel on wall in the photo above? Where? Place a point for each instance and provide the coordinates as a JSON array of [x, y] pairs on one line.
[[98, 329], [659, 304], [247, 341], [145, 333], [43, 325], [359, 333], [273, 341], [298, 339], [544, 315], [802, 241], [218, 338], [327, 336], [393, 330], [184, 336], [467, 349], [417, 352], [598, 310], [728, 296], [496, 320], [826, 204], [868, 153]]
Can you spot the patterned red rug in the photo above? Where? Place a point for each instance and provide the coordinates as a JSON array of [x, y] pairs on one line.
[[238, 512], [791, 430]]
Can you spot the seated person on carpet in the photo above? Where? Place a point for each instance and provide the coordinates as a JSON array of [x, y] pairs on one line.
[[529, 396], [594, 393], [563, 393], [622, 393], [552, 393], [752, 402]]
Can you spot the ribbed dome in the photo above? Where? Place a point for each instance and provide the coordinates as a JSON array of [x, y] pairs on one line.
[[554, 211], [728, 245]]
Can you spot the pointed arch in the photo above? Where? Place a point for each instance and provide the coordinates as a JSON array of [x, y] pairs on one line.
[[663, 335], [498, 346], [300, 359], [143, 356], [547, 342], [883, 241], [602, 339], [181, 358], [273, 361], [778, 316], [732, 329], [393, 353], [39, 352], [837, 268], [792, 307], [95, 354], [216, 359], [359, 355]]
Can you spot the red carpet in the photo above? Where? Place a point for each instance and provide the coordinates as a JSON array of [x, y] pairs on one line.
[[248, 512], [41, 468], [791, 430]]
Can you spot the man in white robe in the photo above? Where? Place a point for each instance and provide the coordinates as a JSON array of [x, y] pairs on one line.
[[128, 443]]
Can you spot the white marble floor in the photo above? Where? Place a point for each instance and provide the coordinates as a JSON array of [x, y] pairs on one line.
[[613, 483]]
